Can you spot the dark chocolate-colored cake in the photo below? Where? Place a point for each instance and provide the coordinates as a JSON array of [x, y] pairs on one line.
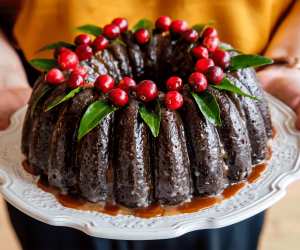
[[121, 159]]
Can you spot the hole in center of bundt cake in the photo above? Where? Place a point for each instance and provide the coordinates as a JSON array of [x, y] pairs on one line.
[[161, 58]]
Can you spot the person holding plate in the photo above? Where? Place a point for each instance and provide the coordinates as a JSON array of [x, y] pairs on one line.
[[270, 27]]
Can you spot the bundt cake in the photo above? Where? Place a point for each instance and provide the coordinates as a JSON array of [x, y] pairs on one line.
[[159, 114]]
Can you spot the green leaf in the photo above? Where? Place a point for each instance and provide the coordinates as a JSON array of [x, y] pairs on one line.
[[199, 27], [43, 64], [93, 116], [245, 61], [208, 106], [90, 29], [45, 89], [119, 41], [151, 118], [62, 98], [143, 23], [226, 47], [227, 85], [57, 45]]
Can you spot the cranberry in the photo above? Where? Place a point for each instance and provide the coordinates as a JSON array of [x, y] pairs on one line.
[[111, 31], [118, 97], [179, 26], [81, 70], [84, 52], [210, 32], [198, 82], [163, 23], [173, 100], [122, 23], [142, 36], [59, 50], [82, 39], [55, 76], [190, 35], [211, 43], [147, 90], [75, 80], [174, 83], [126, 83], [105, 83], [200, 52], [221, 58], [100, 43], [67, 59], [203, 64], [215, 74]]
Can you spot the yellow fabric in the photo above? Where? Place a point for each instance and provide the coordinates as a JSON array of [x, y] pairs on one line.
[[247, 24]]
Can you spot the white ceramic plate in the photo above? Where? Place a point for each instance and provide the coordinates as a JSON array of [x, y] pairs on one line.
[[19, 188]]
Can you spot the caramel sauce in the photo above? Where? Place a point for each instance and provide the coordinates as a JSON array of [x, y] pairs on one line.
[[257, 172], [196, 204], [151, 211], [232, 190], [274, 132]]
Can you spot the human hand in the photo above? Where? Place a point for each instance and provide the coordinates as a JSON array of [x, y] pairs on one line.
[[284, 83], [11, 99]]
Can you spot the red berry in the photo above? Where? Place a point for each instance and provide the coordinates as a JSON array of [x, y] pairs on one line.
[[174, 83], [215, 74], [173, 100], [82, 39], [210, 32], [203, 64], [147, 90], [55, 76], [211, 43], [59, 50], [163, 23], [84, 52], [100, 43], [221, 58], [198, 82], [75, 80], [200, 52], [81, 70], [126, 83], [67, 59], [105, 83], [179, 26], [142, 36], [119, 97], [111, 31], [122, 23], [190, 35]]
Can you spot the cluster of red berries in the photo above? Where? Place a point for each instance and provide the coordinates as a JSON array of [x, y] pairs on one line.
[[145, 90], [85, 45], [211, 61], [165, 23], [85, 48], [209, 68], [67, 60]]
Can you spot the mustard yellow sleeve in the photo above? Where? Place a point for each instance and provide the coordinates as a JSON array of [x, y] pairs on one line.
[[247, 24]]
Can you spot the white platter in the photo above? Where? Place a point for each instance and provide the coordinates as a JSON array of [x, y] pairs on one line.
[[19, 188]]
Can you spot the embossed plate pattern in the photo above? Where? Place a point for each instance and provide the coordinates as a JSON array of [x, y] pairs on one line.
[[19, 188]]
